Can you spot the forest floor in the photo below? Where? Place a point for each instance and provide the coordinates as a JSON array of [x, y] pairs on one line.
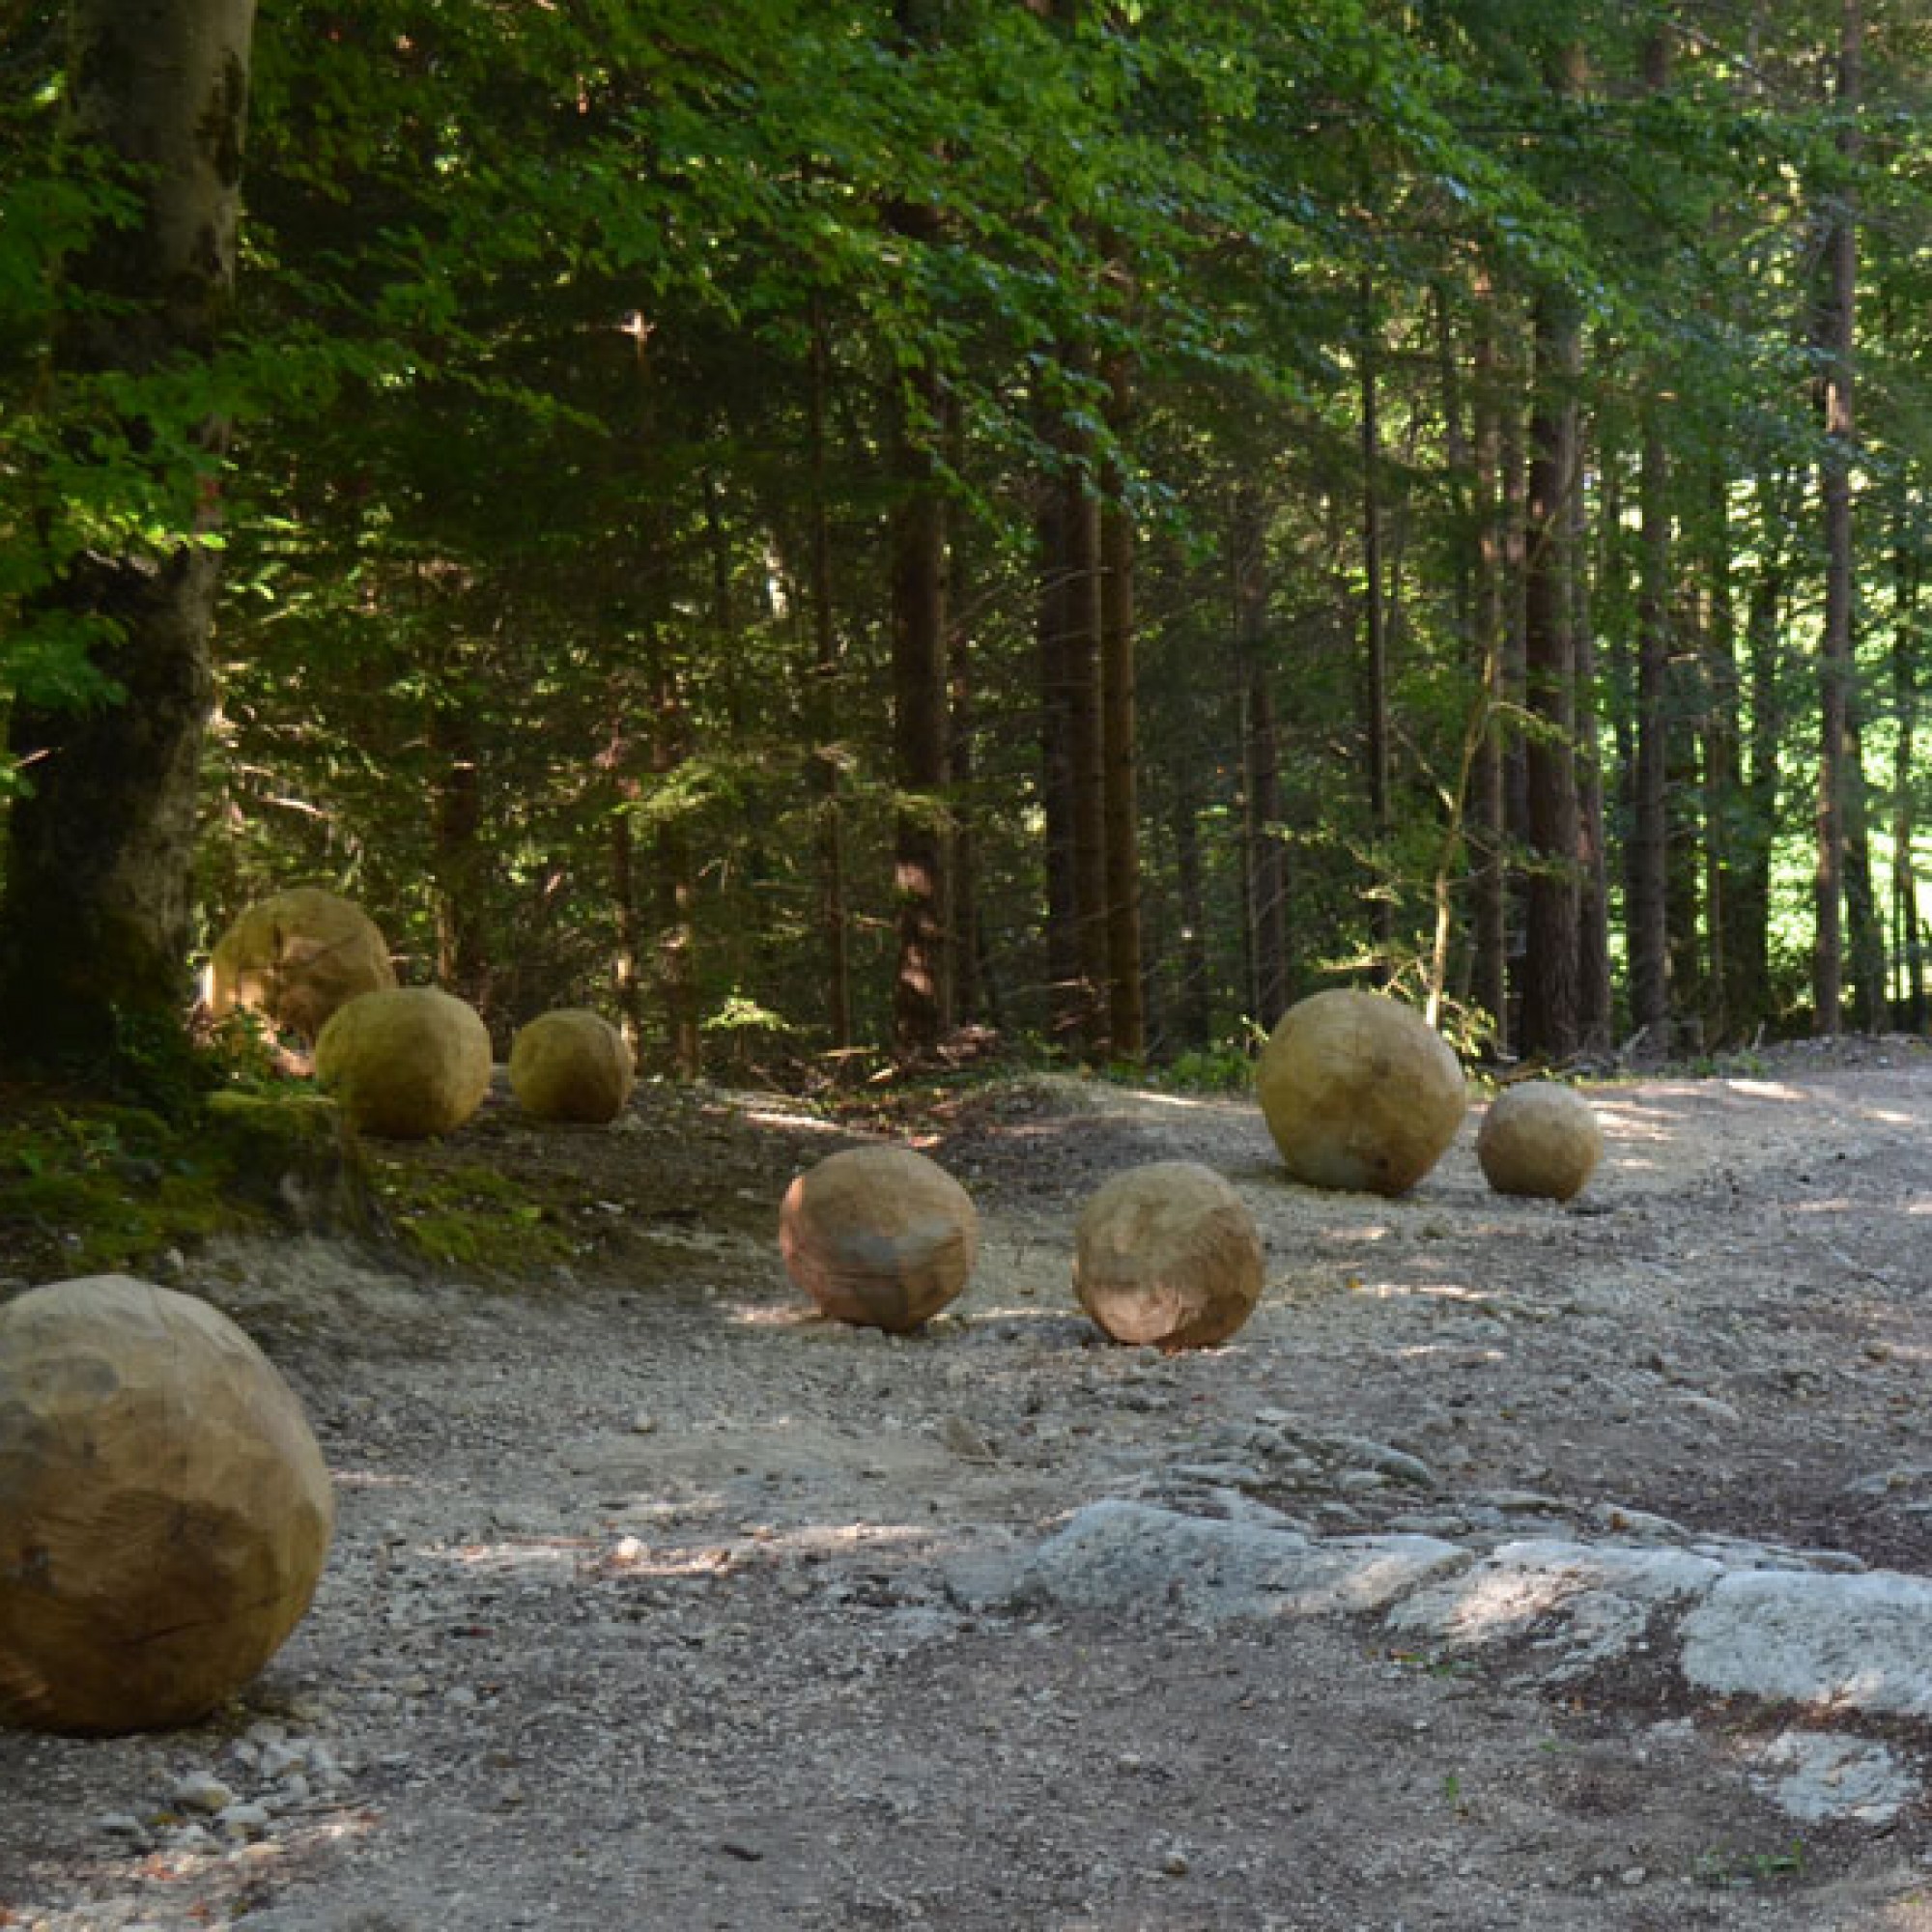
[[657, 1602]]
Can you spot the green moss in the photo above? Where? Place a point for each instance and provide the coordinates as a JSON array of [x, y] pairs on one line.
[[469, 1216], [88, 1189]]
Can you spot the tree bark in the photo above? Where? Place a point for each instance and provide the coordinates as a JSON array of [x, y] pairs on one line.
[[94, 919], [920, 737], [1488, 804], [1647, 855], [1375, 640], [1834, 339], [1264, 867], [823, 676], [1551, 990], [1126, 1009], [675, 885], [1908, 933]]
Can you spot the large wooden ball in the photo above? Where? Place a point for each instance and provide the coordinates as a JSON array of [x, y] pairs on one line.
[[571, 1064], [1539, 1138], [296, 958], [880, 1236], [1359, 1092], [406, 1063], [164, 1510], [1167, 1256]]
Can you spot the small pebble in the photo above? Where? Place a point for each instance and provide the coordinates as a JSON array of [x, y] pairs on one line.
[[202, 1791]]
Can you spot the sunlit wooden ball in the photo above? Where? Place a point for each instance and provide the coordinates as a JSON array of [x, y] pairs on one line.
[[164, 1510], [296, 958], [879, 1237], [1359, 1092], [405, 1064], [1541, 1139], [1167, 1256], [571, 1064]]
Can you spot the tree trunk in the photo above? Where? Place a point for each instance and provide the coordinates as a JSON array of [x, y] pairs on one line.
[[1594, 992], [1551, 990], [1126, 1010], [1835, 341], [1908, 941], [1749, 995], [919, 738], [1647, 854], [462, 953], [1194, 1006], [676, 888], [1488, 804], [823, 679], [1264, 866], [94, 919], [1722, 790], [628, 974], [1374, 642]]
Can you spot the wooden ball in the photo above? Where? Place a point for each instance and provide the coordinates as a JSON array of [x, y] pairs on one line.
[[406, 1063], [1359, 1092], [164, 1510], [880, 1236], [571, 1064], [1168, 1255], [1541, 1139], [296, 958]]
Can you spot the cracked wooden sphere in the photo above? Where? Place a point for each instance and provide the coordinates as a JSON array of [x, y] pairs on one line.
[[164, 1510], [1168, 1255], [571, 1064], [879, 1237], [1540, 1139], [1359, 1092], [406, 1064], [295, 958]]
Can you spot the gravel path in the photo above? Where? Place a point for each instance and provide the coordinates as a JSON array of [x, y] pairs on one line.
[[658, 1602]]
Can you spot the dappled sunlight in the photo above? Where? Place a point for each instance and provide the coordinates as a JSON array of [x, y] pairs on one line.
[[1428, 1290], [1192, 1103], [1768, 1090], [784, 1315]]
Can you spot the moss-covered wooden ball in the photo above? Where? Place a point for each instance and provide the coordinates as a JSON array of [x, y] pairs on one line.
[[880, 1236], [571, 1064], [296, 958], [164, 1510], [1167, 1256], [406, 1063], [1359, 1092], [1539, 1138]]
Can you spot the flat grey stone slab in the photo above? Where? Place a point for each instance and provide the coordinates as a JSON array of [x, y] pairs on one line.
[[1130, 1557], [1860, 1643]]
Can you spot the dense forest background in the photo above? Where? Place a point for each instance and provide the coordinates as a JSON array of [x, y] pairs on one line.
[[832, 531]]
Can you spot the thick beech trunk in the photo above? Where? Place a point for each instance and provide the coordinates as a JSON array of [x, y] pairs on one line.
[[94, 921]]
